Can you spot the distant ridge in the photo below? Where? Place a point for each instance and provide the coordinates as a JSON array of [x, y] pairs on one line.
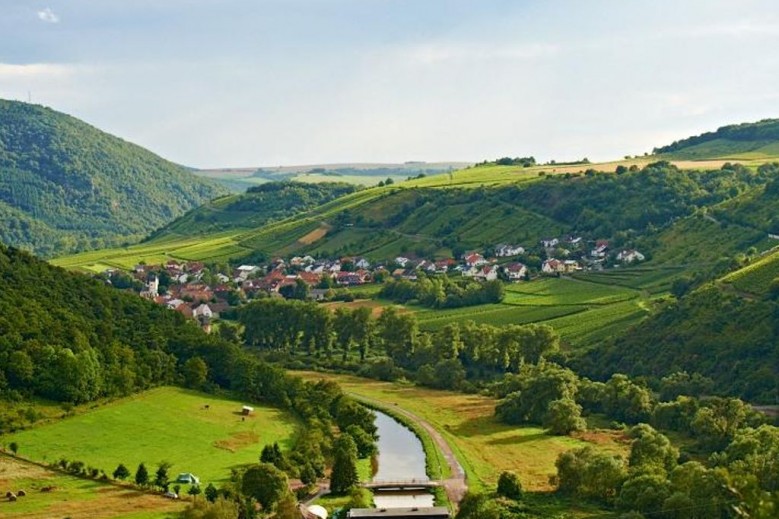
[[66, 186], [737, 141]]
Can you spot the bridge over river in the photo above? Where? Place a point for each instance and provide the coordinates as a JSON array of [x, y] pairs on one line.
[[401, 484]]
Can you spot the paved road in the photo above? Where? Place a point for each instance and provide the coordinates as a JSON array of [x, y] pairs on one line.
[[455, 485]]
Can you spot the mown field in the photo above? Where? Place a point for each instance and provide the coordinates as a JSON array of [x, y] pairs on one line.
[[166, 424], [484, 446], [75, 497]]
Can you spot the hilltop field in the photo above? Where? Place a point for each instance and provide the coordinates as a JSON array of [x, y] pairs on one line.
[[194, 432]]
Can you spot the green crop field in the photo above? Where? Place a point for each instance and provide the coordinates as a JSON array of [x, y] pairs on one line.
[[166, 424], [654, 280], [494, 314], [566, 291], [598, 323]]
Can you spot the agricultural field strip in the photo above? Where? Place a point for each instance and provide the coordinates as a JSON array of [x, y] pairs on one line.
[[71, 496]]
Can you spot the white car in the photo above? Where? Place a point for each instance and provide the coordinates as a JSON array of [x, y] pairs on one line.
[[171, 495]]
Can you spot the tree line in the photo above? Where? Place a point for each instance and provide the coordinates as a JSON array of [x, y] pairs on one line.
[[445, 358], [443, 292]]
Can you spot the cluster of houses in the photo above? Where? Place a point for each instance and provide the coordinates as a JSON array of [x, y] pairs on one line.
[[196, 293]]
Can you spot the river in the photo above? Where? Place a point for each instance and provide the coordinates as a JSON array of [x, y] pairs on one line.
[[401, 457]]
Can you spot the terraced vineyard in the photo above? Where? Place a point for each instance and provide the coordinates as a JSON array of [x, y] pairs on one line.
[[757, 277], [654, 280], [562, 291], [582, 312], [497, 315]]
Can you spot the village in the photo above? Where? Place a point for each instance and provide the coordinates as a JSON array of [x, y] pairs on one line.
[[206, 294]]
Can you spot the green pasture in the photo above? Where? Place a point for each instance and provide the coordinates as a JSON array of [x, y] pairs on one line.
[[565, 291], [166, 424]]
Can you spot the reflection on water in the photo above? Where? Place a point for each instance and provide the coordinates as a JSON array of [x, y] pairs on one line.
[[401, 457]]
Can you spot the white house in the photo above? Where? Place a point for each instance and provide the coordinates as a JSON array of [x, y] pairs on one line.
[[474, 259], [515, 271], [600, 250], [549, 243], [552, 266], [487, 273], [362, 263], [629, 256], [174, 303], [402, 261], [203, 311], [503, 250]]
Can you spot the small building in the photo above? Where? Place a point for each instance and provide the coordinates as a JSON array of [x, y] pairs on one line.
[[629, 256], [188, 478], [504, 250], [515, 271], [433, 512], [247, 410]]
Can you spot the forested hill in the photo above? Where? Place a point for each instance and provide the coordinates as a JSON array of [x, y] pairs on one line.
[[66, 186], [737, 141], [726, 331], [69, 338], [257, 206]]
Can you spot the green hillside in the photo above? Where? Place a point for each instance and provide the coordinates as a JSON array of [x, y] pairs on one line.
[[66, 186], [726, 330], [447, 214], [758, 140], [259, 205]]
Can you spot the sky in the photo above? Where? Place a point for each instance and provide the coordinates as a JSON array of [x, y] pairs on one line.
[[231, 83]]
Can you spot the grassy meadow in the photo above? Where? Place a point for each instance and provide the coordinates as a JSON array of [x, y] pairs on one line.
[[75, 497], [484, 446], [166, 424]]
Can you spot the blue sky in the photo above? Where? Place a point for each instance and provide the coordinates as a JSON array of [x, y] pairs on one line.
[[271, 82]]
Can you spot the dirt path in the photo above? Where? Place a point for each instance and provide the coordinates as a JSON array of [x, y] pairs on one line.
[[455, 485]]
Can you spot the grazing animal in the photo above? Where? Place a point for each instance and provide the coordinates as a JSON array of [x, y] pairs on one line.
[[12, 497], [21, 493], [47, 489], [9, 494]]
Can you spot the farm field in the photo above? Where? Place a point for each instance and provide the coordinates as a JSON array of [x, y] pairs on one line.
[[75, 497], [164, 424], [494, 314], [485, 447], [565, 291]]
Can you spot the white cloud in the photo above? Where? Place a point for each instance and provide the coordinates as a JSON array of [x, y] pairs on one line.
[[448, 52], [9, 71], [48, 16]]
